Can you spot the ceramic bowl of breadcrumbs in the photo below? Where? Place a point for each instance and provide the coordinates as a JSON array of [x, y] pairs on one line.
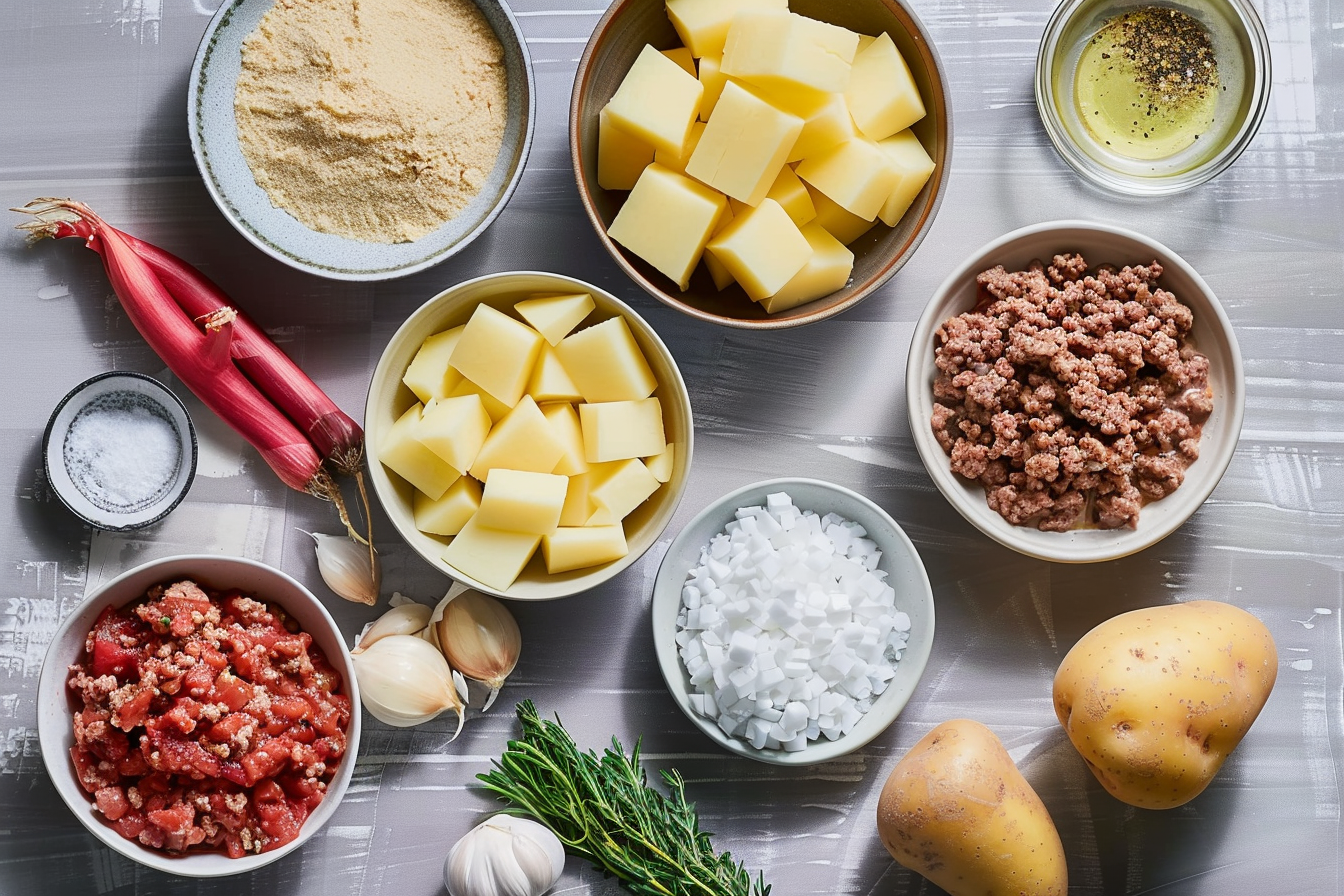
[[395, 141]]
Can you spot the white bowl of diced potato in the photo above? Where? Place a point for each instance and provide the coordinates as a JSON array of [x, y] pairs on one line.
[[760, 163], [528, 434]]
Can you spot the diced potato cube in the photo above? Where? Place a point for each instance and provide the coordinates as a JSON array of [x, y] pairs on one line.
[[657, 101], [721, 276], [666, 220], [826, 270], [606, 364], [913, 166], [792, 195], [554, 317], [496, 352], [522, 501], [786, 50], [762, 249], [428, 375], [493, 406], [402, 453], [621, 156], [744, 145], [565, 424], [855, 174], [570, 548], [703, 24], [549, 380], [450, 513], [523, 440], [882, 95], [713, 78], [842, 225], [490, 556], [682, 57], [616, 430], [454, 429], [618, 488], [678, 162], [827, 126], [660, 465], [578, 506]]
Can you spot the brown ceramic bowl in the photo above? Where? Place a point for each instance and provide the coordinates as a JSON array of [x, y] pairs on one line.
[[630, 24]]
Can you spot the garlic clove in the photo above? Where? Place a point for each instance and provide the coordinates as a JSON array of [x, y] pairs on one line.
[[347, 567], [478, 636], [404, 681], [505, 855], [406, 619]]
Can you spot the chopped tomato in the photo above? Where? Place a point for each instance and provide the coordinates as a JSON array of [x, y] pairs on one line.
[[279, 816], [116, 641], [221, 708]]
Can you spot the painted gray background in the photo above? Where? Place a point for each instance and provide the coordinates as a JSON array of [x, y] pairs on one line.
[[93, 106]]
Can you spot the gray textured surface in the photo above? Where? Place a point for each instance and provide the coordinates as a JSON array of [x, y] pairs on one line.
[[93, 107]]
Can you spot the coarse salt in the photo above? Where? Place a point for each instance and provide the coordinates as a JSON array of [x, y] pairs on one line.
[[787, 627], [122, 452]]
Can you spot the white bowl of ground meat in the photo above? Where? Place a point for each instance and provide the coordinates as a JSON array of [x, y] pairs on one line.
[[200, 714], [1075, 391]]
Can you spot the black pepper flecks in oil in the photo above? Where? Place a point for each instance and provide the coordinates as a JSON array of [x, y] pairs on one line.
[[1147, 83]]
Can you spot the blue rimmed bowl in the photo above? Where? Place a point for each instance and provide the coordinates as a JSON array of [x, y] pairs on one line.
[[213, 130]]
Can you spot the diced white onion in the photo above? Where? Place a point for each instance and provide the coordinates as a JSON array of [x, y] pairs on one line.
[[788, 629]]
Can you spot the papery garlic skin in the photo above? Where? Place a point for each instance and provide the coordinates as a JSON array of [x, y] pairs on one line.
[[478, 636], [504, 856], [406, 619], [348, 567], [404, 681]]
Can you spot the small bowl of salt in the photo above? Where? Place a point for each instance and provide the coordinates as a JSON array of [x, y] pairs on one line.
[[120, 451], [792, 620]]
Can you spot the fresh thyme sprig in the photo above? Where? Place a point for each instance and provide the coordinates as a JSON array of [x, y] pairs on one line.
[[603, 810]]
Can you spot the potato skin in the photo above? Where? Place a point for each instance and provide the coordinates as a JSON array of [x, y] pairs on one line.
[[956, 810], [1156, 699]]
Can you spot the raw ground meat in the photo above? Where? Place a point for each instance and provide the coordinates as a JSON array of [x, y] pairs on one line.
[[1073, 398]]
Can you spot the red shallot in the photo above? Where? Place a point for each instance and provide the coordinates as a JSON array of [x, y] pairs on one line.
[[335, 435], [166, 298], [199, 359]]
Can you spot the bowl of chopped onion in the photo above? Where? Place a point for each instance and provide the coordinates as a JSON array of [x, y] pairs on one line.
[[199, 714], [792, 620]]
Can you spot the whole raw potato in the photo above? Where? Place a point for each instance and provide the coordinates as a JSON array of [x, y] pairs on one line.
[[1156, 699], [957, 810]]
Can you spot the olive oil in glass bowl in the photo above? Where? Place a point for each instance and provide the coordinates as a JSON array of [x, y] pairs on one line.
[[1150, 98]]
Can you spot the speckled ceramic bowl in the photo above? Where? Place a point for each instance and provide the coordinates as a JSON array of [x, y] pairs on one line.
[[55, 708], [617, 40], [1212, 334], [213, 130], [900, 560], [120, 451]]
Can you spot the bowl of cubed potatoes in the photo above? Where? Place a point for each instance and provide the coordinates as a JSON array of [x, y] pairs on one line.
[[760, 163], [528, 434]]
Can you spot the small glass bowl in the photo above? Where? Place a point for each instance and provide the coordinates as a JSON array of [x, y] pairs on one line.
[[1241, 47], [127, 478]]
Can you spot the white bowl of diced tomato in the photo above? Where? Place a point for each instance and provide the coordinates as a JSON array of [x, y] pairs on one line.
[[200, 714]]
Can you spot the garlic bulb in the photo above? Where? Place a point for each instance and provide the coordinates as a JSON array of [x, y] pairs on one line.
[[479, 637], [404, 681], [405, 619], [347, 567], [504, 856]]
